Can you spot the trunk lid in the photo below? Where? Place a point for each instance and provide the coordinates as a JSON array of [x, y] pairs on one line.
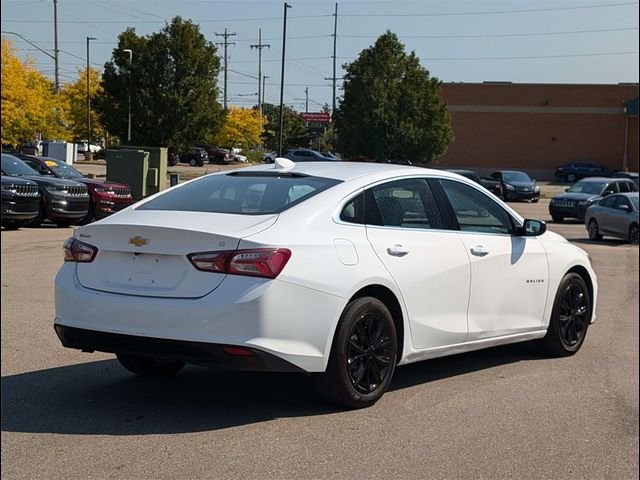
[[145, 252]]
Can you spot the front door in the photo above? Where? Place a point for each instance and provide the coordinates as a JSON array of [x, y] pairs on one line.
[[509, 274]]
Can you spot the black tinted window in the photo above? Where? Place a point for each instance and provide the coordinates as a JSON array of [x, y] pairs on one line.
[[403, 203], [246, 194], [475, 211], [353, 212], [608, 202]]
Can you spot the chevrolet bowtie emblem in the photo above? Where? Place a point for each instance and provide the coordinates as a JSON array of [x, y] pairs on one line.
[[138, 241]]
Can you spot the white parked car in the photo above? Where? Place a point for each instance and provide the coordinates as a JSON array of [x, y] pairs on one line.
[[83, 146], [341, 269], [239, 158]]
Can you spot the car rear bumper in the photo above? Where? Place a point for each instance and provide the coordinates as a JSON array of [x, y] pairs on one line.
[[186, 351], [258, 314]]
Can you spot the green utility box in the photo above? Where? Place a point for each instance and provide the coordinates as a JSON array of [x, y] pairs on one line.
[[130, 167], [156, 176]]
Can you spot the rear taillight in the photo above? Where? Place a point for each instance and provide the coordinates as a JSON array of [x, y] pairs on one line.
[[77, 251], [260, 262]]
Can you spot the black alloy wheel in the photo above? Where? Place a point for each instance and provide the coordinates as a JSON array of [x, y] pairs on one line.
[[633, 234], [363, 355], [570, 317], [594, 231], [192, 162]]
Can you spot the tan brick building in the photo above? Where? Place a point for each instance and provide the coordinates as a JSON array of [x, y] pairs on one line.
[[536, 127]]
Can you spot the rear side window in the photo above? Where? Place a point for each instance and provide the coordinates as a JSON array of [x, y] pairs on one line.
[[241, 193]]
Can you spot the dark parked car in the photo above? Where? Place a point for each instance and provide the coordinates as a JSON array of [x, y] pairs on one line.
[[197, 156], [20, 201], [106, 197], [575, 201], [62, 201], [575, 171], [494, 186], [306, 155], [220, 156], [632, 175], [517, 185], [615, 216]]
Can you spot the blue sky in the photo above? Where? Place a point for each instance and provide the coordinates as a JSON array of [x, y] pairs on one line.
[[567, 41]]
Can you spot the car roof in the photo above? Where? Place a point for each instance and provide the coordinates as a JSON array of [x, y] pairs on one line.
[[346, 171], [629, 194], [459, 170], [599, 179]]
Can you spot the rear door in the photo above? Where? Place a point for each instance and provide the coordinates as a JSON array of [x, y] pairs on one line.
[[428, 263], [509, 274], [619, 216]]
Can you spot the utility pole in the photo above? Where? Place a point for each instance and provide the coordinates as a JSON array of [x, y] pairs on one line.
[[226, 43], [284, 44], [306, 100], [259, 46], [55, 47], [264, 79], [334, 78], [88, 100]]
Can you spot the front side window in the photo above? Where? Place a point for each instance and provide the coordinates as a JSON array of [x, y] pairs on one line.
[[475, 211], [405, 203], [621, 200], [608, 202]]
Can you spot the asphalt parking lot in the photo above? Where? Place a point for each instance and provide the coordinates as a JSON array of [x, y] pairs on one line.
[[507, 412]]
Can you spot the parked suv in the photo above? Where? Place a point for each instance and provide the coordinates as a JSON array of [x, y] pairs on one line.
[[197, 156], [20, 201], [62, 201], [106, 197], [577, 199], [575, 171], [220, 156]]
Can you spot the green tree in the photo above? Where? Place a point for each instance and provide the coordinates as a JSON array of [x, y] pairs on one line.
[[172, 82], [74, 98], [391, 107], [294, 133]]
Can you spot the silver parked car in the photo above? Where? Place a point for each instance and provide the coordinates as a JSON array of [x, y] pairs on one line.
[[615, 216]]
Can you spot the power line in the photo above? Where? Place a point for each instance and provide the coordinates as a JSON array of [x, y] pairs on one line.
[[490, 12], [228, 20], [502, 35]]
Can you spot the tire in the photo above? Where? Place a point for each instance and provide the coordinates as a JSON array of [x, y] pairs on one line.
[[557, 218], [535, 200], [89, 217], [149, 367], [13, 224], [192, 162], [570, 317], [594, 230], [570, 178], [42, 215], [363, 355], [633, 234], [64, 223]]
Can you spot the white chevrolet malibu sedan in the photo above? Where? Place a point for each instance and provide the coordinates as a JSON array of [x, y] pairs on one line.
[[342, 269]]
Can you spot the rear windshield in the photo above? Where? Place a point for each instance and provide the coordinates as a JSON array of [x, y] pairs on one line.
[[241, 193]]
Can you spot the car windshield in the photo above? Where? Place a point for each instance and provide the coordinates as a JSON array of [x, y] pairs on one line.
[[62, 169], [593, 188], [515, 177], [15, 167], [246, 193], [634, 200]]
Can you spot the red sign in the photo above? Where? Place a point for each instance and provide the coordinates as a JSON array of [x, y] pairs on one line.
[[324, 117]]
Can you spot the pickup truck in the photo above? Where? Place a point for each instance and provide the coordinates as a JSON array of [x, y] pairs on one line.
[[491, 184]]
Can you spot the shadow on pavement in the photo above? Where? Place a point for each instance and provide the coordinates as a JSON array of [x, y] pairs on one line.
[[101, 398]]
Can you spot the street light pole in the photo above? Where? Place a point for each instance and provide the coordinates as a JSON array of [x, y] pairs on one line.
[[284, 43], [88, 98], [130, 52]]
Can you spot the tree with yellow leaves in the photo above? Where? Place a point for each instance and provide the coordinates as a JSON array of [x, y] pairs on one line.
[[241, 128], [74, 98], [29, 103]]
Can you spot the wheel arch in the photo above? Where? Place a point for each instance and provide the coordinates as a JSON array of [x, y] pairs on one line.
[[391, 301]]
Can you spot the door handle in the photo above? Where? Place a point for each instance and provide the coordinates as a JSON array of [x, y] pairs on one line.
[[479, 251], [397, 251]]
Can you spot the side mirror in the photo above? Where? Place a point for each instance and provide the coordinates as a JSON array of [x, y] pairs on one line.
[[624, 207], [531, 228]]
